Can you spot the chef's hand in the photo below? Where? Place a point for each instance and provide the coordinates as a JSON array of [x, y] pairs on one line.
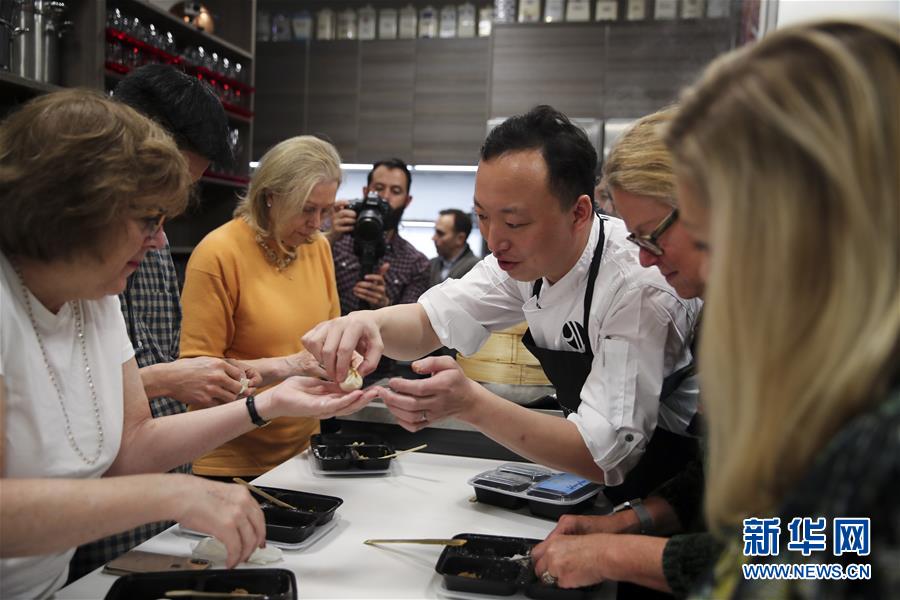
[[333, 344], [416, 403], [342, 221], [308, 397], [305, 364], [574, 560], [372, 288], [225, 511]]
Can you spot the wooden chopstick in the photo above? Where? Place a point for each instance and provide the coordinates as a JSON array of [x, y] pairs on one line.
[[263, 494], [429, 541], [399, 452]]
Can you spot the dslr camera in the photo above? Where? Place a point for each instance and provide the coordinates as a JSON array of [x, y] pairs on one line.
[[368, 233]]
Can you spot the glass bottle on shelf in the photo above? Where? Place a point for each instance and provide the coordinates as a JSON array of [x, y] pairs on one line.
[[504, 11], [606, 10], [554, 11], [529, 11], [428, 26], [346, 24], [281, 28], [664, 10], [325, 23], [448, 21], [465, 20], [387, 24], [301, 26], [636, 10], [409, 18], [367, 22], [691, 9], [485, 21], [578, 10], [263, 26]]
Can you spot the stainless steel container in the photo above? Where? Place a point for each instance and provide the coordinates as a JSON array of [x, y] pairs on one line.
[[9, 17], [35, 53]]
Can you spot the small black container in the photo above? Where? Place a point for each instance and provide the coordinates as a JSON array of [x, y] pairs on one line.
[[499, 566], [555, 511], [293, 526], [348, 453], [277, 584], [369, 456], [332, 458], [546, 493], [481, 576]]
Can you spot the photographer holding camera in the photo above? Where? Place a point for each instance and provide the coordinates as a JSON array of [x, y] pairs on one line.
[[374, 266]]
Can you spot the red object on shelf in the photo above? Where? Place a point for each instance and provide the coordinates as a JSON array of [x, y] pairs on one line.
[[199, 71], [120, 36]]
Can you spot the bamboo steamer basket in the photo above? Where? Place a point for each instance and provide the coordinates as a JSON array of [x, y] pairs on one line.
[[504, 360]]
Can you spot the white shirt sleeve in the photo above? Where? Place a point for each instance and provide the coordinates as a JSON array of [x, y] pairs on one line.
[[464, 312], [115, 330], [620, 399]]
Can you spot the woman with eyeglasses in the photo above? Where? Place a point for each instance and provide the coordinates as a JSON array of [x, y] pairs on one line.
[[584, 550], [256, 284], [79, 445], [786, 154]]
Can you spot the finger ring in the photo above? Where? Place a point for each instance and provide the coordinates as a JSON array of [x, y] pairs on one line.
[[424, 416], [548, 578]]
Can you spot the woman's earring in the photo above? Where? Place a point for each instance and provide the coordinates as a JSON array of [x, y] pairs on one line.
[[269, 203]]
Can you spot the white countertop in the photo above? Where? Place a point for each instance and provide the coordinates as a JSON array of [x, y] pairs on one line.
[[426, 495]]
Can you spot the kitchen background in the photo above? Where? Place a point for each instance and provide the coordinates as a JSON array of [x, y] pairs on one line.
[[422, 80]]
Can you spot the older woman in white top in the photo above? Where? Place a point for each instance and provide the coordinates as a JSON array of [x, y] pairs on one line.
[[85, 183]]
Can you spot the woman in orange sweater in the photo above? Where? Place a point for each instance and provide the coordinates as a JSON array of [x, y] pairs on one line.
[[256, 284]]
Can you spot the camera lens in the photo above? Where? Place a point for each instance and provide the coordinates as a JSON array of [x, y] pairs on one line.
[[369, 225]]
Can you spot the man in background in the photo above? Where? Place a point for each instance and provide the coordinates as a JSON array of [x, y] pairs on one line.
[[402, 274], [455, 257]]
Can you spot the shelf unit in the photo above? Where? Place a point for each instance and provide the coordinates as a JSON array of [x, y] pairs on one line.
[[83, 63]]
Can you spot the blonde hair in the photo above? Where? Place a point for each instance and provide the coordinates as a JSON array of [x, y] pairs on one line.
[[640, 163], [73, 165], [285, 176], [792, 145]]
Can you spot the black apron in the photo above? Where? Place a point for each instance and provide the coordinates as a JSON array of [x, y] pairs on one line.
[[667, 452]]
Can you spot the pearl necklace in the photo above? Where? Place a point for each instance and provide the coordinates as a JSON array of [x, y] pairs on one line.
[[79, 326], [280, 263]]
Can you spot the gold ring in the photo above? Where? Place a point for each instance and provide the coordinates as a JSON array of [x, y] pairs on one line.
[[548, 579]]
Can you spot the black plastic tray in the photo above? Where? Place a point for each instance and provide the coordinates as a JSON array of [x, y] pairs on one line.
[[292, 527], [357, 452], [485, 565], [277, 584]]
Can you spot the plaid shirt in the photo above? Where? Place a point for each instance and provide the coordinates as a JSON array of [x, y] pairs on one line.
[[407, 278], [152, 314]]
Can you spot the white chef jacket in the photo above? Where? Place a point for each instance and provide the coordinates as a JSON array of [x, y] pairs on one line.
[[639, 330]]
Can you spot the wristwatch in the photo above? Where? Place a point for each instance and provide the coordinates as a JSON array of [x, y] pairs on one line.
[[644, 519]]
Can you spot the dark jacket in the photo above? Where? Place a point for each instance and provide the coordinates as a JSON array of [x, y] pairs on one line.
[[462, 265]]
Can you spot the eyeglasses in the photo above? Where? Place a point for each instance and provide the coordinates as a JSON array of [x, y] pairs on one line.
[[649, 242], [150, 226]]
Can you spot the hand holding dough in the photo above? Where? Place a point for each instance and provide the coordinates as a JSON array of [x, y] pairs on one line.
[[354, 380]]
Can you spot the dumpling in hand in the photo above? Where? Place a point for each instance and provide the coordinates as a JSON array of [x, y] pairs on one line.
[[354, 381]]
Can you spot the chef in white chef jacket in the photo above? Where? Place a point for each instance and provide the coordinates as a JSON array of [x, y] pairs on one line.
[[612, 337]]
